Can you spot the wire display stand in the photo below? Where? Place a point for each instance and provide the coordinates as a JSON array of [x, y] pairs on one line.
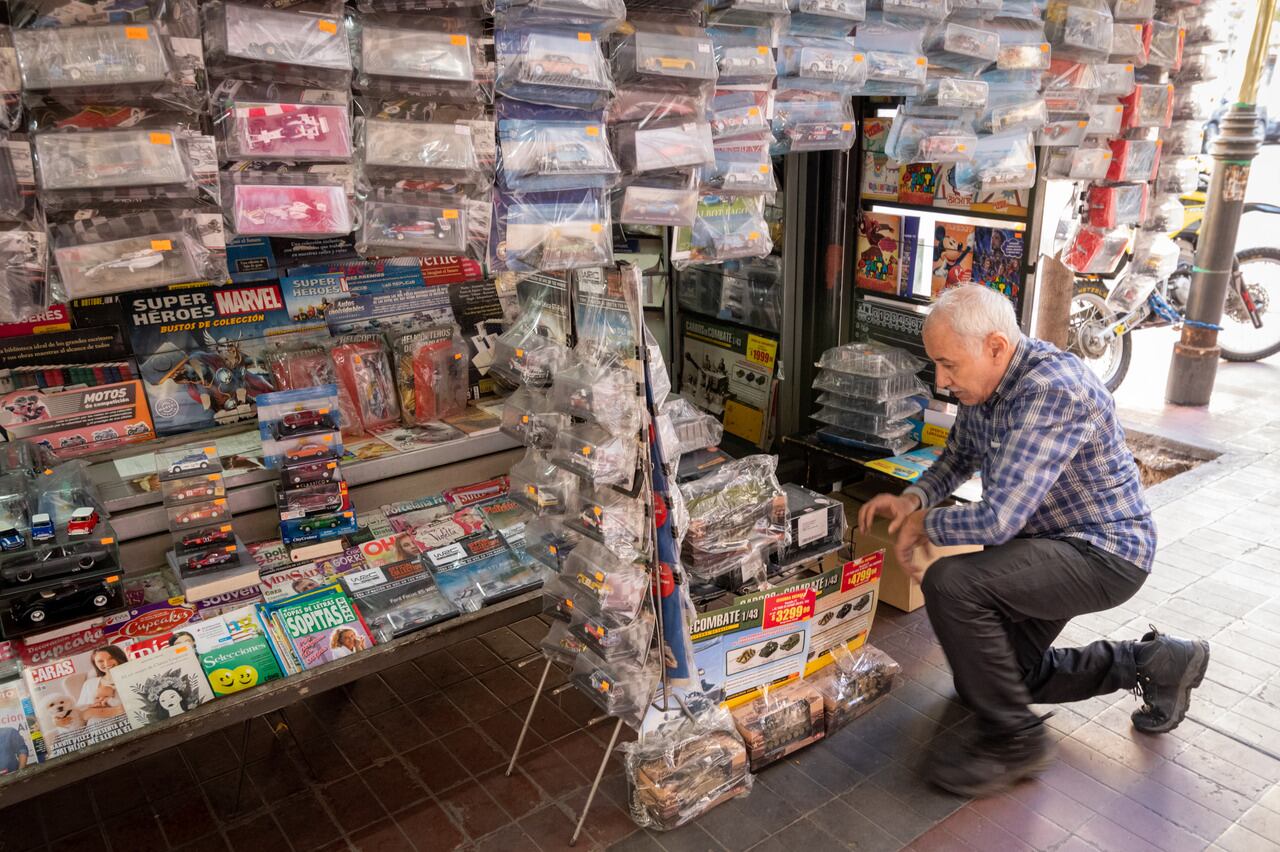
[[661, 568]]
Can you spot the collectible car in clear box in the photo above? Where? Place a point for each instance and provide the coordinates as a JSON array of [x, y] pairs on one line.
[[557, 245], [561, 61], [650, 205], [111, 159], [277, 45], [1024, 57], [835, 62], [58, 58], [426, 229], [601, 394], [886, 66], [961, 40], [667, 148], [540, 485], [275, 210], [439, 149], [600, 458], [416, 54], [133, 263], [737, 114], [745, 62], [662, 59], [846, 10], [605, 582], [289, 131]]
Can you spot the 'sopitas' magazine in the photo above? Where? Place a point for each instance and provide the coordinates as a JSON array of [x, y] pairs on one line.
[[68, 673], [320, 626]]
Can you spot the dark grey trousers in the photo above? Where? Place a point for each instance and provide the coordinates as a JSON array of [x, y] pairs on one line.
[[997, 612]]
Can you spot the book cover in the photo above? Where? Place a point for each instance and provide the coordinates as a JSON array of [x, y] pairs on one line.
[[879, 177], [397, 599], [878, 242], [875, 131], [952, 255], [69, 677], [161, 685], [917, 183], [17, 723], [321, 626], [953, 191], [1010, 201], [997, 260], [908, 250], [234, 651]]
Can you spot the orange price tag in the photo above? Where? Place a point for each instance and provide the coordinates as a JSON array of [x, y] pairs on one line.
[[847, 126], [596, 227], [161, 138], [162, 245], [920, 60], [458, 40], [592, 130], [136, 33], [1044, 48], [764, 170], [451, 214], [584, 36], [753, 111], [762, 49], [754, 235], [330, 27]]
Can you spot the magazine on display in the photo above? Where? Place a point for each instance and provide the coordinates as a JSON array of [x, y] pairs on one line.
[[19, 729], [162, 685], [319, 627]]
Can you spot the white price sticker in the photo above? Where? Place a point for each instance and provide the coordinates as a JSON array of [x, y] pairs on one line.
[[811, 528]]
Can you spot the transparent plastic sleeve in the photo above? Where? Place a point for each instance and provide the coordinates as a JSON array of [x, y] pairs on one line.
[[1131, 291], [874, 360], [317, 130], [1134, 160], [963, 48], [555, 67], [823, 64], [1115, 79], [870, 389], [782, 720], [743, 60], [740, 169], [1179, 175], [1105, 119], [622, 689], [1183, 138], [540, 486], [853, 683], [1165, 213], [1096, 251], [605, 584], [913, 139], [856, 438], [255, 43], [79, 168], [1154, 253], [954, 93], [1079, 163], [665, 146], [600, 458], [892, 409], [1079, 28], [555, 154], [808, 125], [394, 149], [679, 772], [735, 509], [726, 228], [826, 17], [1128, 44], [1149, 105], [618, 521], [414, 224], [602, 393], [695, 429], [529, 417], [737, 114], [1120, 204], [915, 13], [1005, 161], [665, 61], [445, 61], [747, 13], [23, 271], [597, 16], [363, 368], [102, 64], [261, 204], [522, 356], [432, 373], [1133, 10], [551, 231], [880, 427], [101, 256], [1166, 43]]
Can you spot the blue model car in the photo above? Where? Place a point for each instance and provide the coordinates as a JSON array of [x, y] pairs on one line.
[[41, 527], [11, 539], [189, 464]]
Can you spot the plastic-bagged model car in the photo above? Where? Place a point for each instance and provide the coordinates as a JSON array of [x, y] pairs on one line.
[[853, 683], [276, 209], [594, 454], [248, 42], [554, 67], [419, 61], [666, 61], [404, 227], [287, 131], [92, 260], [101, 165]]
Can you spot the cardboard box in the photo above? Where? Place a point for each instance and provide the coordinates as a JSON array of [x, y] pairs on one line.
[[896, 588]]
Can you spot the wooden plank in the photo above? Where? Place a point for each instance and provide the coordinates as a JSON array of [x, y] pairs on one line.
[[233, 709]]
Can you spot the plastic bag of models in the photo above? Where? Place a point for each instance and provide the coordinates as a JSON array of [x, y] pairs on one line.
[[596, 455], [870, 359], [432, 370], [743, 56], [430, 58], [558, 67], [603, 393], [397, 149], [695, 429], [1080, 29], [782, 720], [246, 42], [596, 16], [75, 168], [664, 146], [604, 583], [551, 231], [618, 521], [803, 124], [740, 169], [686, 765], [726, 228], [23, 268], [152, 248], [523, 356], [530, 418], [262, 204], [259, 122], [739, 503], [853, 683], [541, 486], [831, 18]]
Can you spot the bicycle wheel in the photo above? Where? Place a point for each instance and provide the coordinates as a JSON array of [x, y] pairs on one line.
[[1239, 340]]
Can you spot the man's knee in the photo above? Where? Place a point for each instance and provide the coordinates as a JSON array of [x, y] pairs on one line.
[[946, 579]]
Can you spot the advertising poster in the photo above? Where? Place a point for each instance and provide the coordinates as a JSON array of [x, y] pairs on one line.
[[728, 371]]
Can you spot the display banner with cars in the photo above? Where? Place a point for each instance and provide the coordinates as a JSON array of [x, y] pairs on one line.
[[729, 372]]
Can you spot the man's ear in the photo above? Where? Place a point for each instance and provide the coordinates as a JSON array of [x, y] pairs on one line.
[[997, 345]]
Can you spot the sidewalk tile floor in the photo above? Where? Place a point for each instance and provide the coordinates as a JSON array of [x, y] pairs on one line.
[[413, 758]]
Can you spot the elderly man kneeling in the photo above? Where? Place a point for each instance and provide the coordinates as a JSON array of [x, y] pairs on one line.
[[1066, 531]]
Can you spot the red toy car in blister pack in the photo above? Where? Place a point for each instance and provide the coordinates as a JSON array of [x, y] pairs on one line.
[[1121, 204], [364, 370], [1094, 251], [1134, 160], [1149, 105]]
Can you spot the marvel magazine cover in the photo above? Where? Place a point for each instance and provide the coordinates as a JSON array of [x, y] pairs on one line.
[[161, 685], [320, 626], [68, 675], [202, 350]]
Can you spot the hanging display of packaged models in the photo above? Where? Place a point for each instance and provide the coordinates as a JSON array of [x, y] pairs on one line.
[[134, 57], [247, 42], [113, 159], [417, 60]]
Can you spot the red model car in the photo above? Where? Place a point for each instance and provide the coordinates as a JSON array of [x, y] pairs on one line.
[[82, 521], [302, 421], [212, 559], [200, 491], [207, 537], [200, 513], [305, 452], [310, 472]]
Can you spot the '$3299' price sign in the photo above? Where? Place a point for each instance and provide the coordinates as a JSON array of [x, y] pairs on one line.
[[789, 608]]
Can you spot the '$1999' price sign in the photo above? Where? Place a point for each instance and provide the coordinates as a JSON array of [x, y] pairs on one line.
[[789, 608]]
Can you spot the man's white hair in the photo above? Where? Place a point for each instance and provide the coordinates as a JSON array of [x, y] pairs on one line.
[[974, 311]]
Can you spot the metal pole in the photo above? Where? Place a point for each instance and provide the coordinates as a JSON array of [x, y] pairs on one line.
[[528, 717], [595, 785], [1196, 354]]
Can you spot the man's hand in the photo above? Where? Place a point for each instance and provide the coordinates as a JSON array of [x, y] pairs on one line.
[[912, 539], [892, 506]]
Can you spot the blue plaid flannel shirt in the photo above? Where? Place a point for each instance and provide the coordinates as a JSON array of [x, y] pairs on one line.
[[1053, 459]]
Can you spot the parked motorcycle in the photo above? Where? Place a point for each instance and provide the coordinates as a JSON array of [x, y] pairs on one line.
[[1108, 308]]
